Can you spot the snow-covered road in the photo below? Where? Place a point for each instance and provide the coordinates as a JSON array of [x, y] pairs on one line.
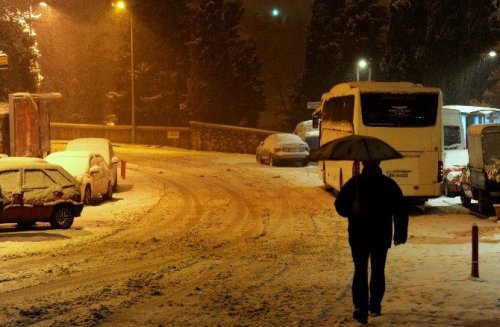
[[197, 238]]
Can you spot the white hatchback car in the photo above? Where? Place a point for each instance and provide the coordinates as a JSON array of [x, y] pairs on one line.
[[103, 147], [90, 170]]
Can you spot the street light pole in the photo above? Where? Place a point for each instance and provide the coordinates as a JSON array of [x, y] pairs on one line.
[[132, 81], [120, 5]]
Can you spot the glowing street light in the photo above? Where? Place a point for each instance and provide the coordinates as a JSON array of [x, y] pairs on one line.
[[362, 64], [492, 54], [121, 5], [275, 12]]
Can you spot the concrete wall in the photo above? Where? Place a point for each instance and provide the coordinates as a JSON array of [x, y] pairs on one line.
[[199, 136], [171, 136], [224, 138]]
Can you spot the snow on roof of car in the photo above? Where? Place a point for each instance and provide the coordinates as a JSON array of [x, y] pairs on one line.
[[87, 140], [288, 137], [12, 164], [22, 160], [72, 154], [94, 144]]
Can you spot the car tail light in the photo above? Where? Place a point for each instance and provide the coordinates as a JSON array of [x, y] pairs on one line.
[[58, 194], [440, 172], [355, 168], [17, 198]]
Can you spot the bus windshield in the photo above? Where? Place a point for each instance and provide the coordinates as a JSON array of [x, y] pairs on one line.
[[399, 110]]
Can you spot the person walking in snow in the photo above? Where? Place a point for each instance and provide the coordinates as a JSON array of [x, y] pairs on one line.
[[372, 202]]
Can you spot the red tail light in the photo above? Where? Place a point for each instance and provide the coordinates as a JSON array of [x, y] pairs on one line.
[[355, 168], [440, 172]]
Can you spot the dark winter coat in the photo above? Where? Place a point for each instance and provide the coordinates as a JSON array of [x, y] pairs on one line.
[[380, 203]]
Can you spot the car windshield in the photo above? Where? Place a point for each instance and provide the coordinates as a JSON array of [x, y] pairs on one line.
[[76, 166]]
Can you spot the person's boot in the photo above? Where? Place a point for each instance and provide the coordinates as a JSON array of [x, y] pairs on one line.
[[360, 315]]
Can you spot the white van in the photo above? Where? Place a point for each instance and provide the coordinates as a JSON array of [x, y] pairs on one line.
[[308, 133], [453, 131]]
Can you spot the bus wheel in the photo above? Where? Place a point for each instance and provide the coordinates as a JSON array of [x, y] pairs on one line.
[[446, 191], [464, 199], [484, 203]]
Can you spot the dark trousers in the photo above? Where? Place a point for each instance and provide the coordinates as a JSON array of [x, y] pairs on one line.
[[361, 298]]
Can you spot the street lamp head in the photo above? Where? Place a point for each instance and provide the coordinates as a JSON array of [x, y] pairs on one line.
[[362, 63], [275, 12], [492, 54], [120, 5]]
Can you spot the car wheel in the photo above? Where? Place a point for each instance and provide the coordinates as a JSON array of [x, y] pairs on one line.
[[109, 192], [25, 224], [62, 218], [484, 203], [87, 195], [464, 199]]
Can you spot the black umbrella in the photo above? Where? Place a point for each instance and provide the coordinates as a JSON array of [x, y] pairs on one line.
[[355, 147]]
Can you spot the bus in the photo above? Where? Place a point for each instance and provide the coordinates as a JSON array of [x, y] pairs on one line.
[[407, 116]]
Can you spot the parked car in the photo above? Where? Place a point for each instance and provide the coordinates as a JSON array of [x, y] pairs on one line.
[[308, 133], [282, 147], [90, 170], [103, 147], [38, 191], [481, 178], [453, 164]]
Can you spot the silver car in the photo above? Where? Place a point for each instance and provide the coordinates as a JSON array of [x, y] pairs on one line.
[[283, 148]]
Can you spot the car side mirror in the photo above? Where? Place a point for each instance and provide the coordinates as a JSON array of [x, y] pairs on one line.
[[315, 121], [115, 160], [95, 169]]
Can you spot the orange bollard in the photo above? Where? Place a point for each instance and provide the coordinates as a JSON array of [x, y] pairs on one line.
[[123, 166], [475, 251]]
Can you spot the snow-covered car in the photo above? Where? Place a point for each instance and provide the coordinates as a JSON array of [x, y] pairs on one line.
[[308, 133], [103, 147], [282, 147], [90, 170], [453, 164], [481, 178], [38, 191]]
